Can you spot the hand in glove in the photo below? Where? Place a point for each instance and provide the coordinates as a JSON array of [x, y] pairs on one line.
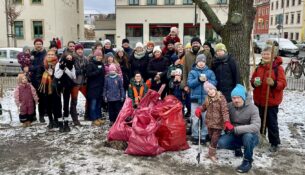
[[62, 66], [228, 126], [270, 81], [198, 112]]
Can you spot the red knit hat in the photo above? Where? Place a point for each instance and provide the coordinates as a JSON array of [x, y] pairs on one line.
[[78, 46], [38, 40]]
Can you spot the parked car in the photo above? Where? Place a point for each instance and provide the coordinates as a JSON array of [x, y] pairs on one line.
[[8, 61], [87, 44], [301, 46], [258, 46], [286, 47]]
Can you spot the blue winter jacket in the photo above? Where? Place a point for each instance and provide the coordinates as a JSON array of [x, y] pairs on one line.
[[197, 92], [113, 88]]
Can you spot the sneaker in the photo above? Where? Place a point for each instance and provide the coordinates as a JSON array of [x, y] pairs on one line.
[[96, 123], [238, 152], [273, 148], [41, 119], [102, 121], [245, 166]]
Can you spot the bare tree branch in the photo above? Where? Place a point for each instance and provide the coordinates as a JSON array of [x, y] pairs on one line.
[[211, 16]]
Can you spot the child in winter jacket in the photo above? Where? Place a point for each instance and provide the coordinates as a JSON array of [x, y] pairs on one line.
[[137, 89], [25, 99], [199, 74], [24, 59], [114, 93], [217, 115]]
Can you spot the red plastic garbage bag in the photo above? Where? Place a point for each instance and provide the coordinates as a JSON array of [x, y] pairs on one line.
[[143, 141], [150, 99], [172, 131], [121, 130]]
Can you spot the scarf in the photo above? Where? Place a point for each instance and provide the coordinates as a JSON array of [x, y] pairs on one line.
[[46, 80], [139, 55]]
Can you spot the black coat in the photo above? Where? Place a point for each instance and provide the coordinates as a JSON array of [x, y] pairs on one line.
[[126, 72], [139, 65], [37, 67], [95, 79], [158, 65], [227, 75]]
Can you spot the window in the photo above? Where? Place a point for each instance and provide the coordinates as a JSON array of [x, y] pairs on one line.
[[298, 17], [277, 5], [151, 2], [222, 2], [287, 3], [158, 31], [190, 31], [13, 54], [271, 20], [77, 6], [292, 18], [267, 24], [133, 2], [134, 33], [297, 36], [282, 4], [272, 6], [293, 2], [169, 2], [187, 2], [3, 54], [18, 26], [17, 1], [291, 35], [36, 1], [299, 2], [37, 29], [286, 18]]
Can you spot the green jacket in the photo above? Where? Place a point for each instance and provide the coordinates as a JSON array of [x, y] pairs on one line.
[[138, 87]]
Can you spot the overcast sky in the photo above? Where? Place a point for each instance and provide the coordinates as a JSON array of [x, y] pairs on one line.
[[103, 6]]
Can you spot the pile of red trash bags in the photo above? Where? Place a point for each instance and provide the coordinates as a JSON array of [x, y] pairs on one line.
[[154, 127]]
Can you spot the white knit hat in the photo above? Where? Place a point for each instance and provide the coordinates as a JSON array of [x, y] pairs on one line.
[[157, 48], [139, 44], [107, 41]]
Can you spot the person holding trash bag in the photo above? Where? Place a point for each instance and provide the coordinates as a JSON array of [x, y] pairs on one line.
[[217, 115], [244, 130], [277, 82], [197, 76]]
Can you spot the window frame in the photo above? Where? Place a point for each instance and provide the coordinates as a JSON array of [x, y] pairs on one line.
[[151, 2], [169, 2], [133, 2], [22, 22], [187, 2], [33, 29]]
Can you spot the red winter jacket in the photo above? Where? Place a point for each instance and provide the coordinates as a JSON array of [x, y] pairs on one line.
[[276, 91]]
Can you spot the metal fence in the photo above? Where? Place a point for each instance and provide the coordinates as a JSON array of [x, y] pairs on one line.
[[8, 82]]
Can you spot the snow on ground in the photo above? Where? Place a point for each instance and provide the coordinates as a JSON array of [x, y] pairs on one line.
[[35, 150]]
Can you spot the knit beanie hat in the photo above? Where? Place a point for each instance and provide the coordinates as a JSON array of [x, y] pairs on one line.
[[107, 41], [38, 40], [109, 54], [207, 85], [157, 48], [208, 44], [201, 57], [139, 44], [195, 39], [98, 52], [174, 29], [125, 40], [119, 49], [240, 91], [220, 46], [25, 48], [78, 46]]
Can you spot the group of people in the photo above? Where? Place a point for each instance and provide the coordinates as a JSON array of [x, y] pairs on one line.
[[206, 81]]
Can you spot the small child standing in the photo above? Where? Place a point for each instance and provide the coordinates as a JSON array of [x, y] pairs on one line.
[[25, 99], [217, 115], [114, 93]]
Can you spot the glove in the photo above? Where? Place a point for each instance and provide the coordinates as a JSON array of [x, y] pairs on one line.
[[198, 112], [270, 81], [122, 99], [201, 80], [62, 66], [228, 126]]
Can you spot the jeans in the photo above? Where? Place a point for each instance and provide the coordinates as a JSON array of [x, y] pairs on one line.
[[195, 127], [94, 109], [232, 142]]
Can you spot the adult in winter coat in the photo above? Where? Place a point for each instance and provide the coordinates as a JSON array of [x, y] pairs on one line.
[[139, 61], [246, 122], [114, 93], [36, 70], [170, 51], [80, 82], [173, 35], [207, 46], [260, 81], [25, 99], [107, 47], [122, 58], [137, 89], [65, 74], [226, 71], [126, 47], [198, 75], [95, 85]]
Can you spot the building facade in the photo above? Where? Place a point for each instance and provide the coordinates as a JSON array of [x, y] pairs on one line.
[[286, 19], [105, 28], [151, 20], [261, 23], [44, 19]]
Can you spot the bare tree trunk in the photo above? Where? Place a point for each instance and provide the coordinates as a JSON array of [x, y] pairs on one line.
[[236, 33]]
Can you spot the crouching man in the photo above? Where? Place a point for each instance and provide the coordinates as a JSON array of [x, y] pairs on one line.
[[245, 127]]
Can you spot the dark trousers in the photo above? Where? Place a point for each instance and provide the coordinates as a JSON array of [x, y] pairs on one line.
[[187, 102], [42, 103], [26, 117], [66, 96], [214, 135], [94, 108], [114, 108], [54, 106], [271, 124]]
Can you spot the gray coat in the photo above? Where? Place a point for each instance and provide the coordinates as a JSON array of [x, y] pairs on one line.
[[245, 119]]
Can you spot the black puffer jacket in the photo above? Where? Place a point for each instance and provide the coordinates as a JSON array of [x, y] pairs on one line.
[[37, 67], [140, 65], [158, 65], [227, 74], [95, 79]]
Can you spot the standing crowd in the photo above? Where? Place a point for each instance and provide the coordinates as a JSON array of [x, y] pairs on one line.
[[206, 81]]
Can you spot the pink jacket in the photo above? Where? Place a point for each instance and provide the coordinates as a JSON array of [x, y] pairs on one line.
[[25, 98]]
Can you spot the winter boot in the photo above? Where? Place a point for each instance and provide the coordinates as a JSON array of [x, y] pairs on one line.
[[0, 109], [28, 123], [96, 123], [41, 119], [273, 148], [238, 152], [55, 124], [50, 126], [102, 121], [66, 127], [212, 154], [245, 166], [24, 125], [61, 126]]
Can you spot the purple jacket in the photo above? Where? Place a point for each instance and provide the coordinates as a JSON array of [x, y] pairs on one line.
[[113, 88]]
